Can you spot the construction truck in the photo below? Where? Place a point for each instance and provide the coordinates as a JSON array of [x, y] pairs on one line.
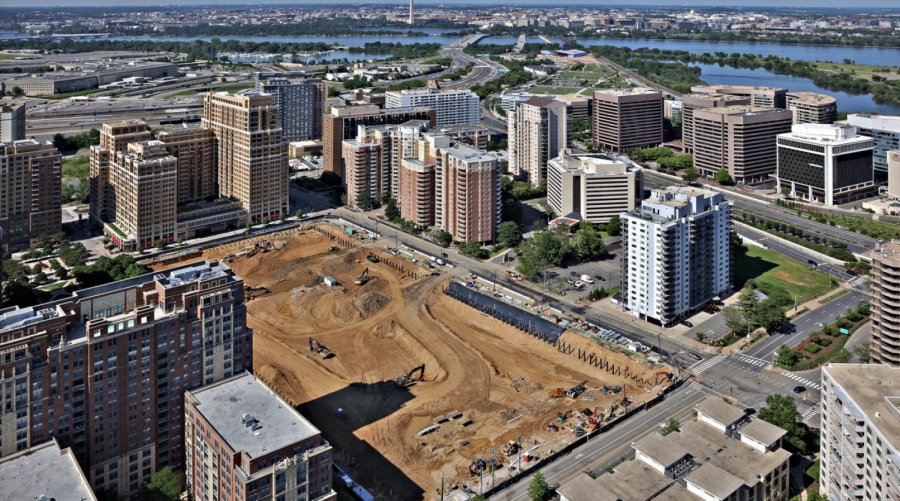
[[372, 257], [551, 426], [511, 448], [333, 248], [320, 348], [574, 391], [557, 392], [365, 277], [417, 374], [513, 276]]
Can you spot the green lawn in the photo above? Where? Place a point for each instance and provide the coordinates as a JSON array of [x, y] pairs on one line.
[[76, 167], [766, 266], [543, 89], [859, 70], [4, 57], [579, 75], [228, 88]]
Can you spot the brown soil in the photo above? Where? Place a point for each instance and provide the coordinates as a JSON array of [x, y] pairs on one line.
[[496, 376]]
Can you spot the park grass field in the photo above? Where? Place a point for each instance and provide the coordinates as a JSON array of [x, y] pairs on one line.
[[766, 266]]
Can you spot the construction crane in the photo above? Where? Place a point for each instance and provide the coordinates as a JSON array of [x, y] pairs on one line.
[[574, 391], [365, 277], [412, 376], [320, 348]]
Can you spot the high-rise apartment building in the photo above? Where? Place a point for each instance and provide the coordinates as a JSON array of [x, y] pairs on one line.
[[691, 102], [43, 473], [452, 107], [366, 174], [114, 137], [104, 370], [343, 122], [740, 139], [593, 187], [417, 191], [860, 419], [31, 176], [143, 182], [812, 107], [245, 442], [628, 118], [884, 130], [467, 192], [12, 122], [252, 154], [827, 163], [537, 133], [301, 103], [723, 455], [676, 253], [759, 95], [885, 303], [195, 149]]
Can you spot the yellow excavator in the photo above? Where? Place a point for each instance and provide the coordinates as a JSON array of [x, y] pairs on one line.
[[411, 377], [320, 348], [365, 277]]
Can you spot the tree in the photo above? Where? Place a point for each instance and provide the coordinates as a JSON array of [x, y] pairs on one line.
[[164, 485], [265, 221], [509, 234], [62, 273], [16, 90], [249, 225], [841, 356], [364, 201], [282, 217], [444, 238], [391, 211], [863, 351], [40, 277], [723, 177], [690, 175], [672, 425], [770, 316], [539, 489], [781, 410], [614, 226], [587, 241], [700, 336], [786, 356], [734, 319], [160, 244], [180, 240], [299, 214]]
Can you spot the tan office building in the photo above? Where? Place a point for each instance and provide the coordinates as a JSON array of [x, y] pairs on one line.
[[12, 122], [595, 187], [885, 302], [537, 133], [760, 95], [697, 101], [812, 107], [740, 139], [252, 155], [114, 137], [628, 118], [31, 176], [195, 149]]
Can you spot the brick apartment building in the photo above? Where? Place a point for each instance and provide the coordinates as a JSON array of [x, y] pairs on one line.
[[104, 371], [244, 442], [114, 137], [416, 189], [628, 118], [467, 193], [43, 472], [30, 198], [195, 149], [252, 154]]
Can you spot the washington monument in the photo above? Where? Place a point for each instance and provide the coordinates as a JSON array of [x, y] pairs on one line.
[[410, 12]]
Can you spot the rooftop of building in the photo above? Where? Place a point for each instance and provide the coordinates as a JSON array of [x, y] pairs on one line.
[[541, 101], [715, 97], [7, 107], [633, 91], [573, 98], [585, 488], [43, 470], [834, 134], [339, 110], [763, 432], [426, 91], [593, 164], [719, 410], [746, 110], [811, 97], [453, 129], [867, 386], [250, 417], [638, 481], [751, 88], [884, 122], [661, 450], [714, 480], [22, 143], [468, 154], [126, 123]]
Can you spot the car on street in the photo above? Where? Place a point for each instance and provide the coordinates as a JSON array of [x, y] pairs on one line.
[[810, 261], [574, 274], [686, 323], [799, 389], [695, 356], [749, 411], [851, 273]]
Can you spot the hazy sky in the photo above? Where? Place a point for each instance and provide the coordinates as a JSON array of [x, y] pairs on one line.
[[718, 3]]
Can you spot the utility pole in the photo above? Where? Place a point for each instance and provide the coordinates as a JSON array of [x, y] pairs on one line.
[[442, 486], [493, 465]]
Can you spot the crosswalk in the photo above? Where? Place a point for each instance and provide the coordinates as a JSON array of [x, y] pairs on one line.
[[811, 412], [747, 359], [703, 365], [803, 381], [858, 284]]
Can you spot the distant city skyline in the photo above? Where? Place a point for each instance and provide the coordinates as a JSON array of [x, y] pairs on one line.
[[764, 4]]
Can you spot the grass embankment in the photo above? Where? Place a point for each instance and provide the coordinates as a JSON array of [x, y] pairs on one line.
[[766, 266], [834, 296], [76, 167], [544, 89], [227, 88], [858, 70]]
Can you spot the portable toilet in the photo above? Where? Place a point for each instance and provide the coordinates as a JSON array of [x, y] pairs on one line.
[[330, 281]]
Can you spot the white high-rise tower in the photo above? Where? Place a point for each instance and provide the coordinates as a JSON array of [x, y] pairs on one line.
[[410, 12]]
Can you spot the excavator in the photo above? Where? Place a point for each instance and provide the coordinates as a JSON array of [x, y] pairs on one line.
[[320, 348], [372, 257], [574, 391], [557, 392], [511, 448], [667, 375], [365, 277], [594, 420], [411, 377]]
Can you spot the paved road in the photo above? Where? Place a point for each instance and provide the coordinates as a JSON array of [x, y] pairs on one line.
[[601, 450]]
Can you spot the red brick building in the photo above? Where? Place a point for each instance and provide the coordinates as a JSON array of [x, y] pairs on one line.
[[246, 443]]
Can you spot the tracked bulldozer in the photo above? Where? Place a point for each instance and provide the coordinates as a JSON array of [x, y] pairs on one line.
[[417, 374]]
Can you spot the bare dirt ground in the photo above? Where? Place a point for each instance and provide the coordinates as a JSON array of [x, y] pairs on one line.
[[494, 375]]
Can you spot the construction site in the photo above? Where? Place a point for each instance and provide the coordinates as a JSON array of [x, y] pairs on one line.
[[406, 378]]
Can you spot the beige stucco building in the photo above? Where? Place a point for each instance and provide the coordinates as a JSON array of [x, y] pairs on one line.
[[537, 133], [595, 187], [628, 118]]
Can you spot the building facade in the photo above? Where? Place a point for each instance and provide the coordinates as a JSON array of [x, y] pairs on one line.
[[417, 191], [628, 118], [104, 371], [830, 164], [884, 130], [759, 95], [195, 149], [740, 139], [676, 253], [245, 442], [467, 193], [301, 103], [114, 137], [537, 133], [696, 101], [885, 303], [593, 187], [252, 154], [12, 122], [31, 176], [452, 107], [812, 107], [860, 417]]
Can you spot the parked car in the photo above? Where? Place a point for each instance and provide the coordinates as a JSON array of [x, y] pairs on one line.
[[852, 273], [574, 274], [686, 323], [799, 389], [810, 261], [695, 356]]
